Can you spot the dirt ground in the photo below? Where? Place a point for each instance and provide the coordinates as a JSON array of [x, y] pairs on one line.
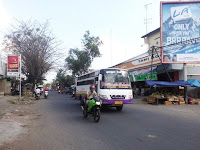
[[15, 118]]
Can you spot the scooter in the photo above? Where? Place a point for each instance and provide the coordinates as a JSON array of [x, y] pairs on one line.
[[93, 109], [45, 94]]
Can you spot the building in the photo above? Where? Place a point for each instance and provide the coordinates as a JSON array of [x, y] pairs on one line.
[[5, 83], [140, 67]]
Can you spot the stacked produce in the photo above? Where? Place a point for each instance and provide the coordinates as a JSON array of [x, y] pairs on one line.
[[170, 98]]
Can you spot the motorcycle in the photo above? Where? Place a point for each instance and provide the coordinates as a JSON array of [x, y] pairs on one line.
[[45, 94], [37, 96], [93, 109]]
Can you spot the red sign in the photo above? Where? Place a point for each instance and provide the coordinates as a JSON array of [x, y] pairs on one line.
[[13, 62], [13, 66]]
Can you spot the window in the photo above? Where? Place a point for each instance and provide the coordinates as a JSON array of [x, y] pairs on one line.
[[87, 82], [86, 76]]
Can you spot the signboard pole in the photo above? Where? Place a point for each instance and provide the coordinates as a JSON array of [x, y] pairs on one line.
[[20, 82], [185, 79]]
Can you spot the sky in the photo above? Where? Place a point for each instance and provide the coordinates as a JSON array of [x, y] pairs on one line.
[[118, 23]]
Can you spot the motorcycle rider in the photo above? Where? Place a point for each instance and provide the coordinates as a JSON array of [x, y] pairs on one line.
[[46, 91], [90, 94], [37, 91]]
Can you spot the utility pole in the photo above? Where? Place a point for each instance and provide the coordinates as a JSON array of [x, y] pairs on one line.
[[152, 56], [146, 21], [185, 79]]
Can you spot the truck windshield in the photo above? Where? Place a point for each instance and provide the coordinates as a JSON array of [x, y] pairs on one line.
[[115, 79]]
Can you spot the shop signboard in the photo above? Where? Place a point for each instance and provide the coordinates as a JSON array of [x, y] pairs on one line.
[[140, 61], [180, 32], [13, 66], [143, 74]]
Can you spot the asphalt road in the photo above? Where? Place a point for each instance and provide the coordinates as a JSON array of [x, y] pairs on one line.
[[137, 127]]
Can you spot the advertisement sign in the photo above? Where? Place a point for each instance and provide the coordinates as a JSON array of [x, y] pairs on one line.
[[143, 74], [13, 66], [180, 32]]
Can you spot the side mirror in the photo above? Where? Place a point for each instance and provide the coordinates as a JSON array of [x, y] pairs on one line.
[[100, 77]]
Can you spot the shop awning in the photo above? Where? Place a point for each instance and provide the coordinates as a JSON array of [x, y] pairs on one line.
[[194, 82], [165, 83]]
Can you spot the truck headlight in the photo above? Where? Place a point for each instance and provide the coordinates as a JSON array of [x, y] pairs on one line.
[[97, 103], [104, 96]]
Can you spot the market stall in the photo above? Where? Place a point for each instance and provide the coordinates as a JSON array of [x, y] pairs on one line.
[[167, 92]]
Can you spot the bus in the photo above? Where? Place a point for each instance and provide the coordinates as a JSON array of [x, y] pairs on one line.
[[112, 85]]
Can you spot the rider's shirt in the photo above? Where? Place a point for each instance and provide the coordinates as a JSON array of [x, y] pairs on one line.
[[91, 94]]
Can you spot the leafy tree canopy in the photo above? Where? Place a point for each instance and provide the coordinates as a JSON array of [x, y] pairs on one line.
[[78, 60]]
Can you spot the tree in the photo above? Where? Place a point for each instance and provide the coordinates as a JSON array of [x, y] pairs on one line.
[[63, 79], [36, 44], [78, 60]]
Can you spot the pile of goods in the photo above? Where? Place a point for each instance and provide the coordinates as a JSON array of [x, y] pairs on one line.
[[193, 101], [175, 100], [152, 98], [170, 99]]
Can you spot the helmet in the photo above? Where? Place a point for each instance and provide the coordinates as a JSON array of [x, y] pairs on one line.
[[92, 87]]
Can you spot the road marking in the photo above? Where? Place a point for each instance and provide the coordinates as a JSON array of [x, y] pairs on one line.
[[152, 136]]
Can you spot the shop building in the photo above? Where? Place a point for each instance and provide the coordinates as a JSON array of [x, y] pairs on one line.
[[5, 84], [140, 67]]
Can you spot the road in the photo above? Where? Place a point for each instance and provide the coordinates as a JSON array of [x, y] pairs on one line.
[[138, 127]]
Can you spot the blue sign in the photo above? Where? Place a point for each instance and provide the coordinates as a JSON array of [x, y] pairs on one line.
[[180, 32]]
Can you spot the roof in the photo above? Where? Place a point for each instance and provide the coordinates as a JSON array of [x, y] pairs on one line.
[[131, 59], [150, 33], [194, 82], [167, 84]]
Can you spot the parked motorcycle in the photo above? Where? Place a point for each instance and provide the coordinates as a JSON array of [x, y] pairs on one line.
[[93, 109], [14, 92], [45, 94]]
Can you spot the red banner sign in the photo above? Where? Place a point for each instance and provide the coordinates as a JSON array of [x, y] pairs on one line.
[[13, 65]]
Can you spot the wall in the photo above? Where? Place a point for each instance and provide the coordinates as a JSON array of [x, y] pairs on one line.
[[153, 39], [4, 89]]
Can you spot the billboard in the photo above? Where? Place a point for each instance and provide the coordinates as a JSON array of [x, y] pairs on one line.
[[180, 32], [13, 66]]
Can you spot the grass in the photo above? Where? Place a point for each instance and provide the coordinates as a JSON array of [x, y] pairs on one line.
[[13, 101]]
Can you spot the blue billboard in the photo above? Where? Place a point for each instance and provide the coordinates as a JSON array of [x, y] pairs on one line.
[[180, 32]]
